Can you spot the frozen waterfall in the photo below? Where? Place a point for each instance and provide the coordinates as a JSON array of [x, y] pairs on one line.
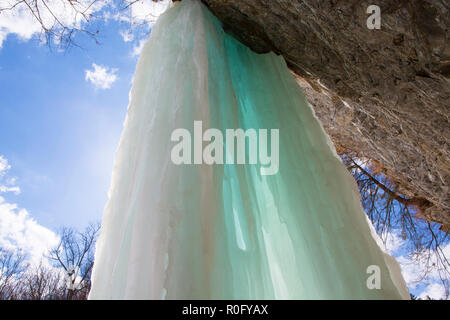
[[225, 231]]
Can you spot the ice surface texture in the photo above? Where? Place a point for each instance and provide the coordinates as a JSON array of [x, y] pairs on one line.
[[226, 231]]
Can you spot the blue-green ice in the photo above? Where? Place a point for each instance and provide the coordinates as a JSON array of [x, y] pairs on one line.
[[226, 231]]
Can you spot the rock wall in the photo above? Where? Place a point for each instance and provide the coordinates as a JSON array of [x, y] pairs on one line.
[[383, 93]]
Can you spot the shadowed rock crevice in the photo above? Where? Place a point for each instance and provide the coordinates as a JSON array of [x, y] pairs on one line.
[[383, 93]]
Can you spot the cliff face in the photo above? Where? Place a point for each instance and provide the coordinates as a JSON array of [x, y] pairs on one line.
[[383, 93]]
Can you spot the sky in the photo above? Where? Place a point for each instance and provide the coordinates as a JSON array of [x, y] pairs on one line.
[[61, 116]]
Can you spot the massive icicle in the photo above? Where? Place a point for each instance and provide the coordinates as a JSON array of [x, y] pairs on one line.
[[225, 231]]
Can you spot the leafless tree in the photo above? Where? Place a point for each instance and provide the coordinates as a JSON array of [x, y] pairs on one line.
[[389, 210], [75, 255], [42, 283], [68, 279], [61, 21], [12, 267]]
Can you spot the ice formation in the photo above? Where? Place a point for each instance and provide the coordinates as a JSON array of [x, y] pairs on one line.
[[226, 231]]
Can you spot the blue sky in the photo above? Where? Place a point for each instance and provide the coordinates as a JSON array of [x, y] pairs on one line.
[[59, 130]]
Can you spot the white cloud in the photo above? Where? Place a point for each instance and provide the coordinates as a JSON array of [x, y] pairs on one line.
[[138, 48], [147, 11], [3, 165], [21, 21], [7, 185], [102, 77], [14, 189], [393, 243], [418, 270], [18, 230], [144, 13], [140, 17], [414, 268], [411, 271], [434, 291], [127, 35]]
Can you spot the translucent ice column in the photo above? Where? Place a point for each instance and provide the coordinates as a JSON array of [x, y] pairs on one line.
[[225, 231]]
